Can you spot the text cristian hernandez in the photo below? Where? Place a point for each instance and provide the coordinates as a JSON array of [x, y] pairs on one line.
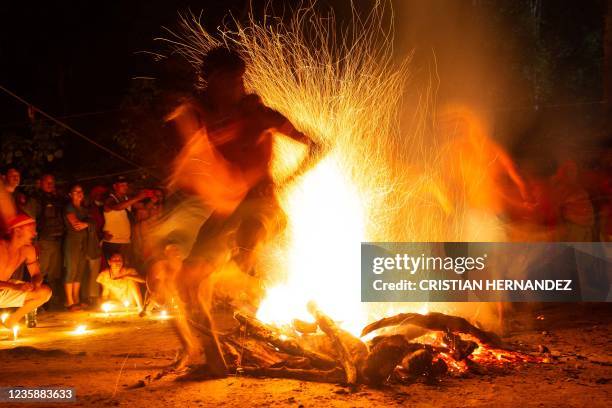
[[487, 284]]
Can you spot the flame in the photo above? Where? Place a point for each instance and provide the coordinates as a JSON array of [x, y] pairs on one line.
[[15, 332], [326, 226], [4, 316], [80, 329], [108, 307], [436, 179]]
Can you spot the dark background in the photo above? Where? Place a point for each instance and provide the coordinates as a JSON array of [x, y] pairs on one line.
[[536, 65]]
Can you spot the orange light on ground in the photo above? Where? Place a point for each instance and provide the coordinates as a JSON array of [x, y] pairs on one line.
[[80, 329], [15, 332], [107, 307]]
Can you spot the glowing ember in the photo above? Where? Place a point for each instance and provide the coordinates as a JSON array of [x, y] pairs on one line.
[[163, 314], [80, 329], [126, 303], [4, 317], [15, 332]]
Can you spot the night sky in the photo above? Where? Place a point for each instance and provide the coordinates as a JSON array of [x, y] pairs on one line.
[[77, 59]]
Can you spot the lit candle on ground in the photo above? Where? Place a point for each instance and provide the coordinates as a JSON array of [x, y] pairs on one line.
[[107, 307]]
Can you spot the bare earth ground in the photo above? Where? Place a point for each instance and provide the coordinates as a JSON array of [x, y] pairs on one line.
[[114, 362]]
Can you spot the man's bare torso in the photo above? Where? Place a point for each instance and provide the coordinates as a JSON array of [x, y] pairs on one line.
[[11, 259], [242, 134]]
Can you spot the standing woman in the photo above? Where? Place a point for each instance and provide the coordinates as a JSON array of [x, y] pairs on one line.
[[75, 246]]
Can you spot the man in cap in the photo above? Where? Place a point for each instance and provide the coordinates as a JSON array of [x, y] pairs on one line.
[[15, 250]]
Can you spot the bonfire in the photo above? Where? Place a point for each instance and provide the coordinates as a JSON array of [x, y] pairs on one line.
[[377, 182]]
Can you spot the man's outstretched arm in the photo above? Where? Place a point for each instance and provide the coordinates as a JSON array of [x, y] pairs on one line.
[[315, 153]]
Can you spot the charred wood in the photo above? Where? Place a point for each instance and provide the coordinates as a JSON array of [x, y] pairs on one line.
[[384, 356], [439, 322], [350, 350], [289, 345]]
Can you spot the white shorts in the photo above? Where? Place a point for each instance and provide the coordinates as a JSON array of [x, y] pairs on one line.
[[12, 297]]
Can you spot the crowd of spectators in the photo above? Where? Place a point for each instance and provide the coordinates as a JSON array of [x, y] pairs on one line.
[[89, 244], [92, 245]]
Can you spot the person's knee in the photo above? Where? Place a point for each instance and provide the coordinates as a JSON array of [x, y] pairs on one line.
[[43, 293]]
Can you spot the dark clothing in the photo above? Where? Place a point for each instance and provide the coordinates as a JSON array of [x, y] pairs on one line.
[[75, 245], [50, 259], [48, 209]]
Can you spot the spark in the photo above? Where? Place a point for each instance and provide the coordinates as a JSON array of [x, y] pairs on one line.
[[378, 181]]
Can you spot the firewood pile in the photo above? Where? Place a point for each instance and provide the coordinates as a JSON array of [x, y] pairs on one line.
[[323, 352]]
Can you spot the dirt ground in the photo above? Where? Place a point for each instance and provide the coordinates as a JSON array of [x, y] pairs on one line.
[[114, 361]]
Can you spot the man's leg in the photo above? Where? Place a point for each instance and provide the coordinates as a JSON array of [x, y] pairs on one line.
[[194, 325], [93, 269], [33, 300], [51, 267], [134, 293]]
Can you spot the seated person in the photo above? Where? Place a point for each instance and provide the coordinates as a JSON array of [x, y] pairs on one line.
[[120, 281], [15, 250]]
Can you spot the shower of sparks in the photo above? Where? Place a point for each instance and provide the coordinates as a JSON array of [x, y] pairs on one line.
[[377, 182]]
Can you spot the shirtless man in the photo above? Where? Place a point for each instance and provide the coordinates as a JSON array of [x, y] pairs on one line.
[[230, 135], [14, 251]]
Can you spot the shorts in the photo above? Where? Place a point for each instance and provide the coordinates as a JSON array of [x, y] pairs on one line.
[[12, 297]]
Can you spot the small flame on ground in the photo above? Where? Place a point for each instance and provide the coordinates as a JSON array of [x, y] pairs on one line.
[[163, 314], [107, 307], [126, 303], [80, 329], [4, 317], [15, 332]]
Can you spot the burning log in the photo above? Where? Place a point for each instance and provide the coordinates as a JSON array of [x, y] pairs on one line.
[[250, 351], [418, 363], [349, 349], [460, 349], [304, 327], [439, 322], [289, 345], [335, 375], [384, 356]]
